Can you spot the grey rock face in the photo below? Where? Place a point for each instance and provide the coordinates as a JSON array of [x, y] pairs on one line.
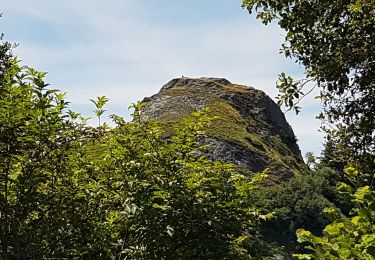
[[252, 132], [235, 154]]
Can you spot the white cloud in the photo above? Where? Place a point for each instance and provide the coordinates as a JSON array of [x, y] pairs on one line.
[[113, 50]]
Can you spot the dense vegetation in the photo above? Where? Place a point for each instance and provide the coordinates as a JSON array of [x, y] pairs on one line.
[[76, 191], [334, 41], [70, 190]]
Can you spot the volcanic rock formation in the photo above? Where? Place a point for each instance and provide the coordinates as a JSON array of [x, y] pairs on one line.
[[251, 132]]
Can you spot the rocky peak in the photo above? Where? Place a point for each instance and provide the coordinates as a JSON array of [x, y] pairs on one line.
[[251, 131], [196, 83]]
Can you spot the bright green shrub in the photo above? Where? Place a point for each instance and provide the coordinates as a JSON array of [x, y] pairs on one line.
[[174, 202], [350, 237], [68, 190]]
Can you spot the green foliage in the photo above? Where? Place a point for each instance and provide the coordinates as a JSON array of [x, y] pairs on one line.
[[176, 204], [46, 207], [311, 160], [136, 195], [333, 40], [296, 204], [346, 237], [289, 91], [6, 55], [99, 104]]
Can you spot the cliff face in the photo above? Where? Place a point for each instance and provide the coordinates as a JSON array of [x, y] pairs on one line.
[[251, 131]]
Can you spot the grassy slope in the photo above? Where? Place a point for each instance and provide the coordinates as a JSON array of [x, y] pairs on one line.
[[230, 125]]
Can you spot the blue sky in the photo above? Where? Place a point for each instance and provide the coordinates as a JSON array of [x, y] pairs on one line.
[[128, 49]]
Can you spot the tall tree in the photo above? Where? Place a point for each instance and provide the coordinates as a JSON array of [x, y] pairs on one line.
[[335, 42], [49, 204], [5, 55]]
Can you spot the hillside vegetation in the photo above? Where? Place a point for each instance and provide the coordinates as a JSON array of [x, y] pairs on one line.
[[206, 169]]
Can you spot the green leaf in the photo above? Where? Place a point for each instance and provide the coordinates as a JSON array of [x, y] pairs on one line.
[[332, 229]]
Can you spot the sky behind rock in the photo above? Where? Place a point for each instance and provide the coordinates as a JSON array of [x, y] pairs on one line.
[[128, 49]]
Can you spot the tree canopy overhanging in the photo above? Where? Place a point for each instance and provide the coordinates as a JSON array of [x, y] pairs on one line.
[[335, 42]]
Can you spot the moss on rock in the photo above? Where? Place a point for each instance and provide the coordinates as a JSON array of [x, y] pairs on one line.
[[250, 130]]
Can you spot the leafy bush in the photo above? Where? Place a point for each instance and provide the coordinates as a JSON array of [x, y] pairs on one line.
[[69, 190], [176, 203], [296, 204], [346, 237], [45, 208]]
